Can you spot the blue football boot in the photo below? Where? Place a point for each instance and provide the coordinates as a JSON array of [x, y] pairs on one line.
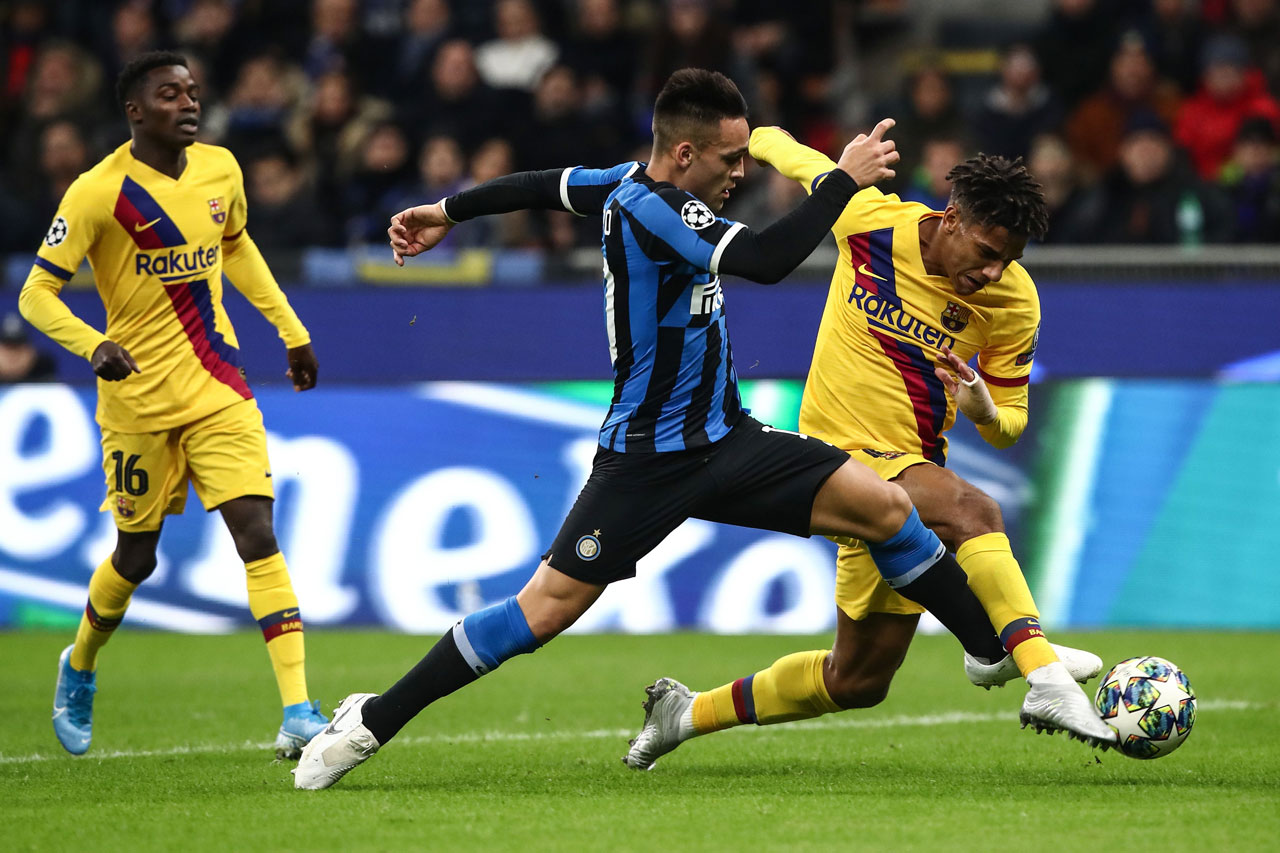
[[302, 722], [73, 705]]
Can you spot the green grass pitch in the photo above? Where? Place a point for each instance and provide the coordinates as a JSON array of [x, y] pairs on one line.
[[528, 758]]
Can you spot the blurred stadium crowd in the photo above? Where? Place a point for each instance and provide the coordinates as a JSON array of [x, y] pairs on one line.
[[1147, 121]]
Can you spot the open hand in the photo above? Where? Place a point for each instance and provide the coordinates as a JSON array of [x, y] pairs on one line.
[[417, 230], [869, 156], [112, 362]]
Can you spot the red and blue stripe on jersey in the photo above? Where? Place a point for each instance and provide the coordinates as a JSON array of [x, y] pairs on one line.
[[143, 218], [194, 305], [871, 255]]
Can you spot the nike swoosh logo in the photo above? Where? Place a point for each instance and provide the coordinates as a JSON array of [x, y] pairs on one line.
[[57, 712], [289, 614], [863, 269], [146, 225], [333, 727]]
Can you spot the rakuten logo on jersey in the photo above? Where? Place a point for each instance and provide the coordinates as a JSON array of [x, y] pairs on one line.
[[889, 316], [172, 263]]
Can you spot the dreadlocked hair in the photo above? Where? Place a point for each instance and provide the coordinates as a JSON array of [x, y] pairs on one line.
[[993, 190]]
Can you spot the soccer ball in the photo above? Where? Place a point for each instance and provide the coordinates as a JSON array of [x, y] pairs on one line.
[[1149, 703]]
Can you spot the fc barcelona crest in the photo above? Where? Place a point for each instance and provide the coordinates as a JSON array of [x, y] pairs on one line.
[[125, 507], [217, 211], [956, 317]]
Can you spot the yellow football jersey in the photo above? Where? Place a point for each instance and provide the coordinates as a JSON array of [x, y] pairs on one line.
[[156, 246], [872, 382]]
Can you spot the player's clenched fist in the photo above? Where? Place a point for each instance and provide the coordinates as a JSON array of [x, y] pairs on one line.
[[869, 157], [112, 362], [417, 230], [966, 386]]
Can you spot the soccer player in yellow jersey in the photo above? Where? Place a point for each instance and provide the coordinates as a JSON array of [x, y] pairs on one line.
[[161, 219], [915, 296]]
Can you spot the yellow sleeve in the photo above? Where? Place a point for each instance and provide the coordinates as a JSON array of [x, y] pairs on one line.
[[1011, 416], [1005, 364], [74, 229], [248, 272], [775, 146]]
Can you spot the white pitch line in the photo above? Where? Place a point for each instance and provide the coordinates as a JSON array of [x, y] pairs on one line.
[[835, 722]]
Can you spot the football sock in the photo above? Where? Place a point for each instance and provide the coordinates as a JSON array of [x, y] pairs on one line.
[[915, 564], [109, 595], [791, 689], [273, 604], [474, 646], [996, 579]]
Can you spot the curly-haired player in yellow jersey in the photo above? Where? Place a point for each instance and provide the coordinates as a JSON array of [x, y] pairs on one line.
[[161, 219], [915, 296]]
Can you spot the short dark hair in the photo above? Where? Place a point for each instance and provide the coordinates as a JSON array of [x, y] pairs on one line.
[[138, 67], [692, 99], [993, 190]]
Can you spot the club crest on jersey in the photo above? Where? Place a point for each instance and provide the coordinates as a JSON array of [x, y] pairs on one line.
[[216, 210], [125, 507], [57, 232], [696, 214], [588, 548], [955, 317]]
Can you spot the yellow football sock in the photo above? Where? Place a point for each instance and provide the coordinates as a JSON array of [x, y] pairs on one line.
[[791, 689], [109, 595], [273, 604], [996, 579]]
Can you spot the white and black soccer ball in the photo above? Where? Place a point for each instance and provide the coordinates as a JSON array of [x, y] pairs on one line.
[[57, 232], [696, 215], [1149, 703]]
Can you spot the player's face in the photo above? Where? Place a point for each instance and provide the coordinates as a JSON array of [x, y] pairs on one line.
[[717, 164], [975, 255], [167, 107]]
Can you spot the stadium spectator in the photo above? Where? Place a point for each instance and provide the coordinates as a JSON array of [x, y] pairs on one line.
[[558, 132], [1073, 46], [63, 155], [286, 213], [427, 25], [133, 32], [336, 43], [1152, 196], [686, 37], [205, 30], [927, 111], [1230, 92], [1094, 129], [1257, 24], [441, 172], [21, 32], [19, 360], [1252, 178], [520, 54], [331, 128], [603, 53], [1052, 165], [1176, 35], [494, 158], [260, 104], [929, 184], [456, 101], [383, 167], [1017, 108]]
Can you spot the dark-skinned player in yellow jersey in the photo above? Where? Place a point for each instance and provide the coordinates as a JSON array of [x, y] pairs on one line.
[[161, 219]]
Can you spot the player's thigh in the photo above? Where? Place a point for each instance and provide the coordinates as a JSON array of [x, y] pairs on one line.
[[855, 502], [768, 478], [146, 476], [861, 590], [630, 503], [953, 508], [227, 455]]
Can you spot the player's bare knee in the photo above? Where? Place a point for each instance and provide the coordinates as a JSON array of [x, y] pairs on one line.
[[255, 542], [134, 565], [893, 507], [976, 513], [860, 689]]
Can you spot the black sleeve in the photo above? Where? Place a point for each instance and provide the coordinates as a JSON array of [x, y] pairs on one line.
[[770, 255], [519, 191]]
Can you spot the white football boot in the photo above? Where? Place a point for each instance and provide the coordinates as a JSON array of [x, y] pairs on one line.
[[343, 745], [668, 722], [1056, 703], [1081, 664]]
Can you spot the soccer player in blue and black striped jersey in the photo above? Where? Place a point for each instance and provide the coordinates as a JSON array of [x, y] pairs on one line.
[[676, 442]]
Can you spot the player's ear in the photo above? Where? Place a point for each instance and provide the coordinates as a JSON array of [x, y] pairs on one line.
[[684, 153], [950, 219]]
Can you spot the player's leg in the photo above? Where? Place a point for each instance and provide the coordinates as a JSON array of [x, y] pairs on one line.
[[626, 508], [226, 453], [970, 521], [146, 480]]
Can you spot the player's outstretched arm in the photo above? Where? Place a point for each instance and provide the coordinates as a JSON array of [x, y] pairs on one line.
[[575, 189], [794, 160], [770, 255]]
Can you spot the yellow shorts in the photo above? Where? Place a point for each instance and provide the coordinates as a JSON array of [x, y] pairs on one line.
[[224, 455], [860, 590]]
